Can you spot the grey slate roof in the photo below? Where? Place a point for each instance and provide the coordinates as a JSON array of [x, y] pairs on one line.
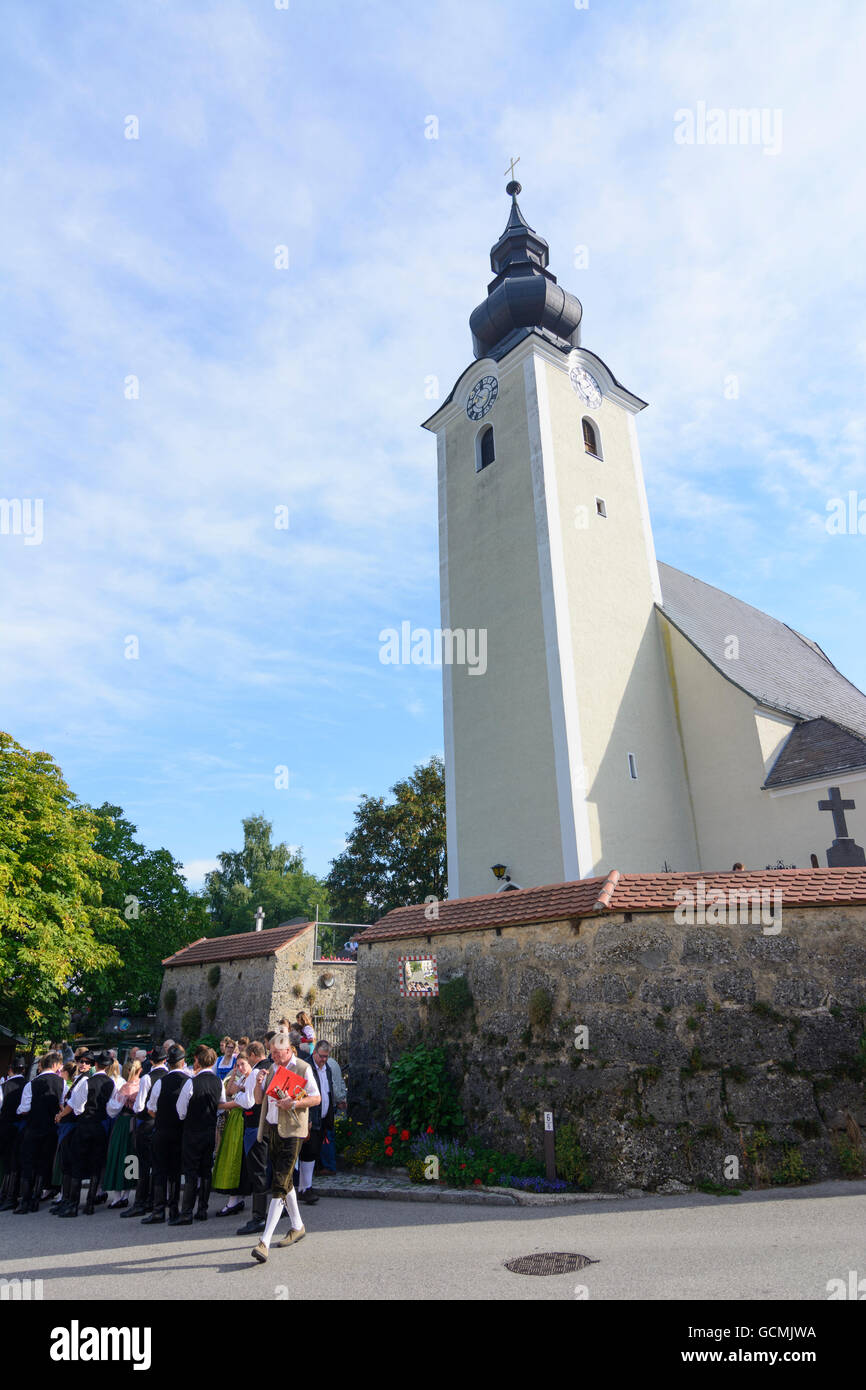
[[816, 748], [777, 666]]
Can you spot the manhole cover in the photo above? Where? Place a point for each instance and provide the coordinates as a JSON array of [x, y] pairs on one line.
[[549, 1262]]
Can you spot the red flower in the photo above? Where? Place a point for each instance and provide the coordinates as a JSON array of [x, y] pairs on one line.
[[490, 1170], [390, 1152], [476, 1182], [462, 1165], [392, 1129], [429, 1129], [404, 1134]]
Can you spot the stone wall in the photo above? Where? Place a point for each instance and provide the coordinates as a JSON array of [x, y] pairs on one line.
[[254, 992], [703, 1042]]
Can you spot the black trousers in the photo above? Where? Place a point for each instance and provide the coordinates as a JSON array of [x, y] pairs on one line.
[[197, 1154], [166, 1154], [254, 1169], [89, 1149], [37, 1156], [144, 1153]]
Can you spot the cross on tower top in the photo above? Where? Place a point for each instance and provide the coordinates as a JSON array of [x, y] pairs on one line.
[[510, 169], [838, 807]]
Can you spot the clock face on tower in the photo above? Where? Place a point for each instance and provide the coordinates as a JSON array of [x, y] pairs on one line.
[[481, 397], [586, 386]]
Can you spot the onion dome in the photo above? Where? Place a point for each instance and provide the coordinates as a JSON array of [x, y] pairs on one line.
[[524, 297]]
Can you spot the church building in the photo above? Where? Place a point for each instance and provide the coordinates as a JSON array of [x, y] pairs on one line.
[[629, 716]]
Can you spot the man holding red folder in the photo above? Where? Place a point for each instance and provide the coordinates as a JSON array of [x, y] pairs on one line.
[[287, 1091]]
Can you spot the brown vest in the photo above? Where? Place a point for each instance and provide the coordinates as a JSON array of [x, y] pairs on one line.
[[290, 1124]]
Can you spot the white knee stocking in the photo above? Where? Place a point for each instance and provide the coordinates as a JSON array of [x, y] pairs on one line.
[[275, 1211], [292, 1209], [306, 1176]]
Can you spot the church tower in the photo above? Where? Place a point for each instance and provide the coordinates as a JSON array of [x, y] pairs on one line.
[[562, 749]]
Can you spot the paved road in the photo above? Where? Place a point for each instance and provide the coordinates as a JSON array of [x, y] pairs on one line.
[[778, 1244]]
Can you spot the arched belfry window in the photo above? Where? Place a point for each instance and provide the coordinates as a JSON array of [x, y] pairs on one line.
[[485, 451], [591, 441]]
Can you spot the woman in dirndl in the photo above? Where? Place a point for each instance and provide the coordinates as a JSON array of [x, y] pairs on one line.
[[121, 1143], [229, 1160]]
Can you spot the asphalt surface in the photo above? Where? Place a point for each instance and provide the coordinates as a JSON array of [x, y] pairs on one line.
[[781, 1244]]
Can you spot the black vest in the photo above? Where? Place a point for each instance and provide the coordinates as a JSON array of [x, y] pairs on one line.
[[251, 1116], [206, 1095], [157, 1073], [100, 1089], [167, 1119], [11, 1099], [46, 1096]]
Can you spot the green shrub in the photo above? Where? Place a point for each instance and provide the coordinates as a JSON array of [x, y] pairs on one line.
[[455, 997], [792, 1169], [850, 1158], [540, 1008], [169, 1000], [210, 1010], [421, 1093], [297, 991], [213, 976], [206, 1040], [311, 995], [190, 1023], [571, 1162]]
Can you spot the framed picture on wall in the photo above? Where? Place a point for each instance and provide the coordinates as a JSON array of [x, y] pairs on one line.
[[418, 976]]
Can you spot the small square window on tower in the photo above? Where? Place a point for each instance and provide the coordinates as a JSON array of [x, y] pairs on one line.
[[600, 508], [632, 767]]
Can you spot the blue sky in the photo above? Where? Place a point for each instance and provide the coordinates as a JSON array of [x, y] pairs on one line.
[[304, 387]]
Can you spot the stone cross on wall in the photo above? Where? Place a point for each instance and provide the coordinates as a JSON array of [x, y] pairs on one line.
[[843, 853]]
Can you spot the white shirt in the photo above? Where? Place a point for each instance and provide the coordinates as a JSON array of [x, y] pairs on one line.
[[312, 1090], [145, 1087], [26, 1097], [185, 1096], [321, 1073]]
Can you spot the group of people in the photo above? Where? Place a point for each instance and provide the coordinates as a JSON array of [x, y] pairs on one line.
[[237, 1124]]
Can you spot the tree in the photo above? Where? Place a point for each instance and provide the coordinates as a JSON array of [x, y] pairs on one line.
[[262, 874], [54, 925], [395, 855], [158, 912]]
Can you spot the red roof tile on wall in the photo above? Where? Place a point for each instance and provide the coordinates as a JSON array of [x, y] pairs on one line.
[[241, 946], [613, 894]]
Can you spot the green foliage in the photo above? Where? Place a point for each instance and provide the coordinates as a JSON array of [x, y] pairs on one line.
[[213, 976], [395, 854], [206, 1040], [156, 915], [421, 1093], [57, 929], [297, 991], [265, 874], [792, 1169], [764, 1010], [540, 1008], [210, 1010], [736, 1074], [190, 1023], [571, 1162], [850, 1158], [169, 1000], [455, 997], [714, 1189], [311, 995]]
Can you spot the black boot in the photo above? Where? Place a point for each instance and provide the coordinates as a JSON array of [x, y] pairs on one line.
[[70, 1208], [24, 1206], [173, 1198], [157, 1216], [63, 1195], [10, 1196], [90, 1204], [203, 1199], [185, 1218]]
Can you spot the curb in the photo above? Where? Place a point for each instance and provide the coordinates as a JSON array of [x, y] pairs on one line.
[[491, 1197]]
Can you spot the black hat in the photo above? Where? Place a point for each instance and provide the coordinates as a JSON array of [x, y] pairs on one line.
[[103, 1059], [157, 1054], [84, 1057], [176, 1054]]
